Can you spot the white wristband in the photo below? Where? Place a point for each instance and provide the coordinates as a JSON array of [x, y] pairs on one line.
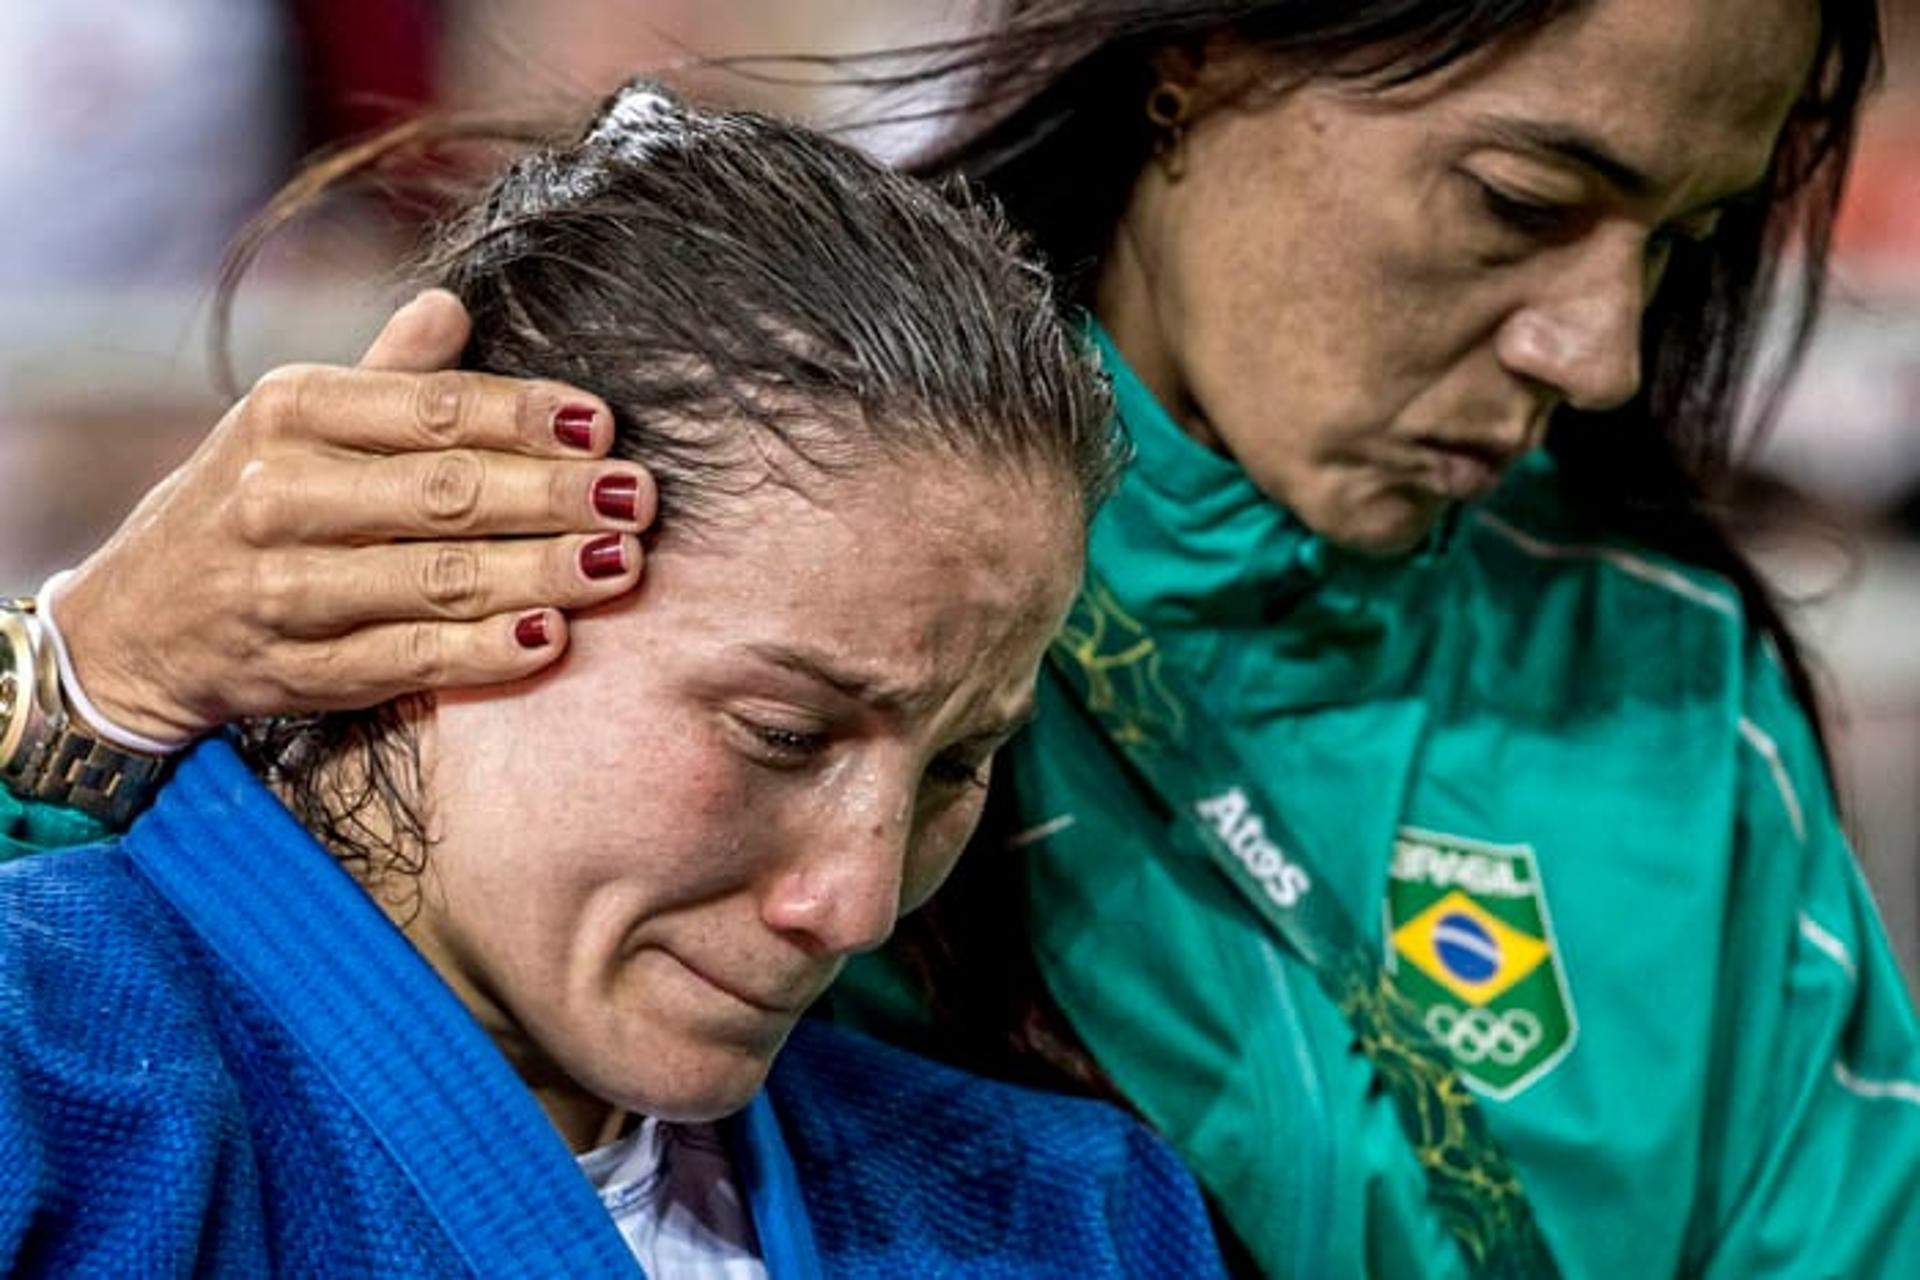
[[76, 697]]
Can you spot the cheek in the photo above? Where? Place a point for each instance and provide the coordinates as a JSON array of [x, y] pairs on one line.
[[618, 823], [697, 811], [1294, 316]]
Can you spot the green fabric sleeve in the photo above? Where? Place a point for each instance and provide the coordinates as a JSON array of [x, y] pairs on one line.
[[27, 828], [1814, 1150]]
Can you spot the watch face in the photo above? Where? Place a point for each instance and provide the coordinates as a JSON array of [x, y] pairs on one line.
[[12, 727], [16, 696], [10, 691]]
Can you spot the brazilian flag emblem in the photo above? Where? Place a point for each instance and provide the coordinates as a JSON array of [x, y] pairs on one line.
[[1470, 943]]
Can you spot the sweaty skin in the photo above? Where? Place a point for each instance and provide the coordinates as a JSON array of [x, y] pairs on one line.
[[738, 777]]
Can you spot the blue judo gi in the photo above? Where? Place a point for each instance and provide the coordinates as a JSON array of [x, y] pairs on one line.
[[217, 1056]]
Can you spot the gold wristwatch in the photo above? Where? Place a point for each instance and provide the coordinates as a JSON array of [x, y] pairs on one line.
[[47, 753]]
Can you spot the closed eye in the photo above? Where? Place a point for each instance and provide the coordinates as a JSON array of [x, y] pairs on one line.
[[1691, 233], [1522, 213], [961, 768], [782, 746], [969, 762]]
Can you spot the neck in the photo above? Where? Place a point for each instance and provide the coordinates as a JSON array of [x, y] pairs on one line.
[[583, 1119], [403, 890], [1124, 302]]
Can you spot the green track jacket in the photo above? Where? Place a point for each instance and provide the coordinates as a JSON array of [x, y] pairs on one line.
[[1564, 787]]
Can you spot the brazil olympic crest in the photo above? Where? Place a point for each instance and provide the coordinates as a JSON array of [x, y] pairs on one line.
[[1470, 943]]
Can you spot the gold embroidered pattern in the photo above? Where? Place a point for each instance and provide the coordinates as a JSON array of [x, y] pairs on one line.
[[1119, 675]]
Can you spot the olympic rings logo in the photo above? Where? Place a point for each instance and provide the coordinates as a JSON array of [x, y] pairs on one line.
[[1478, 1035]]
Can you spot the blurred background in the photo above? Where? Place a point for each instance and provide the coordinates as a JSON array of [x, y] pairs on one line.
[[136, 136]]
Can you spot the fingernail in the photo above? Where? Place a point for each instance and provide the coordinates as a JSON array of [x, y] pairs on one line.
[[531, 632], [617, 497], [604, 557], [573, 426]]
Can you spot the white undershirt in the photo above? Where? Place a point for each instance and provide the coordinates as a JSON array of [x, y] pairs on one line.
[[670, 1190]]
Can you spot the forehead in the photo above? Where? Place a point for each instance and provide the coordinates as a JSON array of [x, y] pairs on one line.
[[1690, 93], [933, 578]]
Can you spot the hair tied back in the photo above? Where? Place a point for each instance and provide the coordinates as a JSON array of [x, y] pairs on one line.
[[639, 116]]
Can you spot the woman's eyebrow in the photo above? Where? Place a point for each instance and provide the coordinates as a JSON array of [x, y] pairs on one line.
[[880, 695], [861, 686], [1570, 145]]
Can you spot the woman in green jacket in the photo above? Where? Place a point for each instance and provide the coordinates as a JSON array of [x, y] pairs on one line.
[[1425, 827]]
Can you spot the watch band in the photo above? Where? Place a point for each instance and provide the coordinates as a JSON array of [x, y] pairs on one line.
[[46, 753]]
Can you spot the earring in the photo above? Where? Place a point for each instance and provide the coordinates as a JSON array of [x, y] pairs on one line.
[[1168, 107]]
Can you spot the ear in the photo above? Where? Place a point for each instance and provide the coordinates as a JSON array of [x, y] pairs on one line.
[[1216, 71], [1177, 64]]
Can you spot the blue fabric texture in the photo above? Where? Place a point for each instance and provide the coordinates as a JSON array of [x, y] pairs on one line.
[[914, 1169], [217, 1057]]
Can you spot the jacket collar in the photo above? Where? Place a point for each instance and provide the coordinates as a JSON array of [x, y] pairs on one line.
[[1221, 551]]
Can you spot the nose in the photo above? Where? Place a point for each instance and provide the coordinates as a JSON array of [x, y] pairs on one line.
[[840, 893], [1580, 338]]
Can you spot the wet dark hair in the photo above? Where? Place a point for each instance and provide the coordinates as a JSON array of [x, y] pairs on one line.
[[756, 303], [700, 267]]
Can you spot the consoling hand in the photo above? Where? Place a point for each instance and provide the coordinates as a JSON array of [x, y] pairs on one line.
[[336, 541]]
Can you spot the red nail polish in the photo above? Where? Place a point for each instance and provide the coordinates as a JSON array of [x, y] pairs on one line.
[[531, 631], [617, 497], [573, 426], [604, 557]]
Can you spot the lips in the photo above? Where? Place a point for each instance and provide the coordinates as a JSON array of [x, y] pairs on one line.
[[1468, 469], [756, 996]]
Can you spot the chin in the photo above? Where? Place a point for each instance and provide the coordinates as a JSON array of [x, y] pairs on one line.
[[1386, 525], [1368, 512], [687, 1082]]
